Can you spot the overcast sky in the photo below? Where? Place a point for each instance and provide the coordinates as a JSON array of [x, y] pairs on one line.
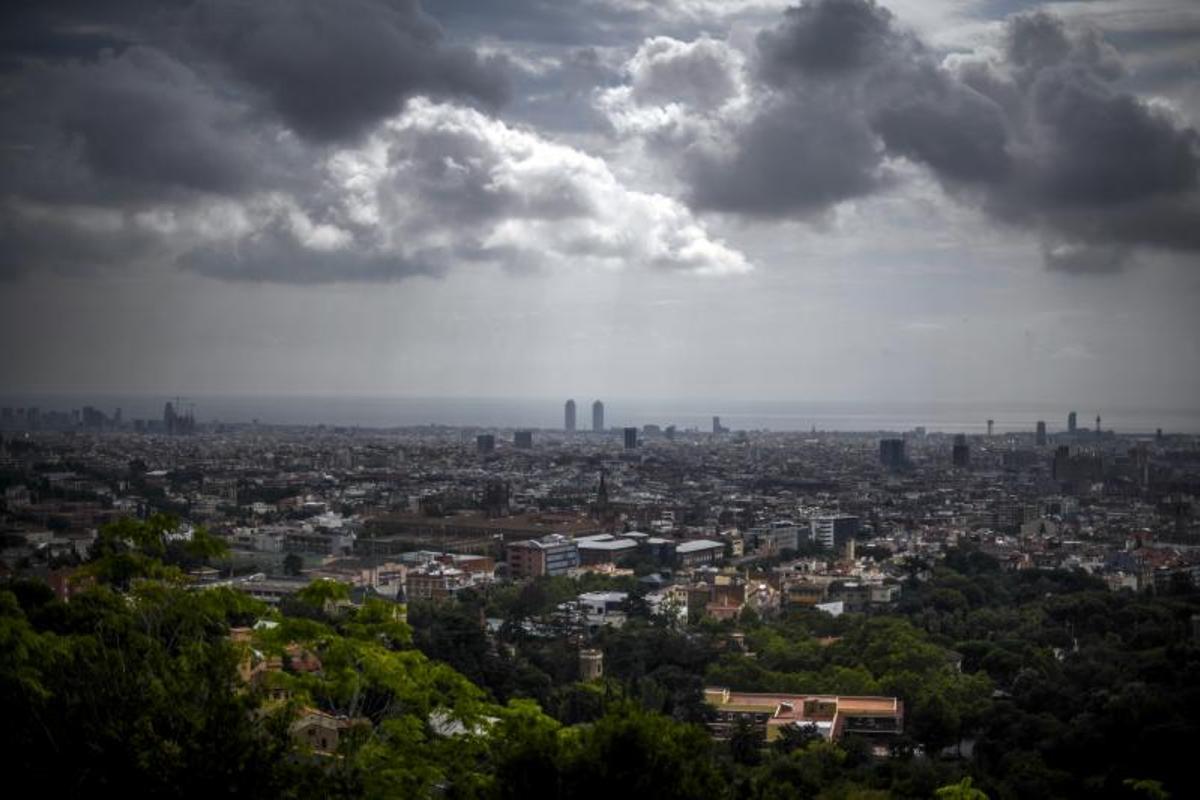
[[837, 200]]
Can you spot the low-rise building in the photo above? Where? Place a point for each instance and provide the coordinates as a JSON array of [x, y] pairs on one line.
[[604, 548], [323, 732], [697, 552], [551, 555], [434, 581], [833, 716], [602, 608]]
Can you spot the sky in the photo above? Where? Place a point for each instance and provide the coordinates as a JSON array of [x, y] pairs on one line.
[[835, 200]]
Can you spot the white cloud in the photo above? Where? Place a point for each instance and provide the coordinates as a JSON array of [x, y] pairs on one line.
[[450, 181], [434, 188], [678, 92]]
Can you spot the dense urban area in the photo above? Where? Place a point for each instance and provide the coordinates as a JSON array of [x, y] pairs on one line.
[[196, 608]]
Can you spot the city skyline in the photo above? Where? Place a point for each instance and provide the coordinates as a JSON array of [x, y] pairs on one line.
[[129, 413], [514, 204]]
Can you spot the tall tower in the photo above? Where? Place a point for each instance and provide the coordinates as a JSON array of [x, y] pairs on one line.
[[891, 453], [602, 493], [1071, 422], [569, 416], [1041, 434], [598, 417], [961, 454], [630, 438], [1097, 423], [991, 422], [591, 665]]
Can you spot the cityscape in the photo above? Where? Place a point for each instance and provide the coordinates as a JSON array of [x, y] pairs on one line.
[[600, 399], [697, 536]]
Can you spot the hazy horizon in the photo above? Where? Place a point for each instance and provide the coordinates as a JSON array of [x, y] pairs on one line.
[[547, 413]]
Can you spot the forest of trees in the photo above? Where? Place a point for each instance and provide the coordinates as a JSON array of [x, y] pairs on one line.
[[1016, 685]]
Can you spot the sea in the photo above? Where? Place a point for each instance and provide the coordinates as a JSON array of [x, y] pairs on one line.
[[684, 414]]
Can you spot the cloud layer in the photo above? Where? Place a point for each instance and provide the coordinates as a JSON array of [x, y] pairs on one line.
[[297, 142], [1037, 133], [309, 141]]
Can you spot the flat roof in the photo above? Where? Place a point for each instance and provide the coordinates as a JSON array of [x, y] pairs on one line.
[[615, 544], [604, 597], [696, 545], [791, 707]]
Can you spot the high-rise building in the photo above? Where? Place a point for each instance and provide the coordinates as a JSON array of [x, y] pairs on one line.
[[569, 416], [716, 425], [93, 418], [1097, 423], [891, 453], [1077, 466], [961, 454], [834, 531], [485, 443], [496, 497], [598, 417], [602, 494], [1041, 434], [630, 438], [1071, 422], [991, 425], [523, 440]]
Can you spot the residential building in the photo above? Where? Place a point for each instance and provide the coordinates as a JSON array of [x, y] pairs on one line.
[[833, 716], [834, 530], [434, 582], [551, 555]]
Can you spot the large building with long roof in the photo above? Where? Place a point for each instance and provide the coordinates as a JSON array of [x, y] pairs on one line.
[[833, 716]]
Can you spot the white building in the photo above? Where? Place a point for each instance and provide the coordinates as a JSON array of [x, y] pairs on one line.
[[602, 608]]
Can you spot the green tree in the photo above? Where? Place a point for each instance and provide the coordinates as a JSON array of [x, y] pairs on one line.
[[292, 564], [746, 742], [323, 593], [963, 790]]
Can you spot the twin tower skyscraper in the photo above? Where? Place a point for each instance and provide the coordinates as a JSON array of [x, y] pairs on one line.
[[597, 416]]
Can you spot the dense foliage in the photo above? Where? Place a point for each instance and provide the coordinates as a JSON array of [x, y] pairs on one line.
[[1016, 685]]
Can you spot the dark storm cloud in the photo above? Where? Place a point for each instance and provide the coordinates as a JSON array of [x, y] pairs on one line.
[[1042, 137], [812, 143], [131, 126], [330, 69], [959, 134], [1103, 149], [121, 119], [824, 38], [790, 159], [72, 242]]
